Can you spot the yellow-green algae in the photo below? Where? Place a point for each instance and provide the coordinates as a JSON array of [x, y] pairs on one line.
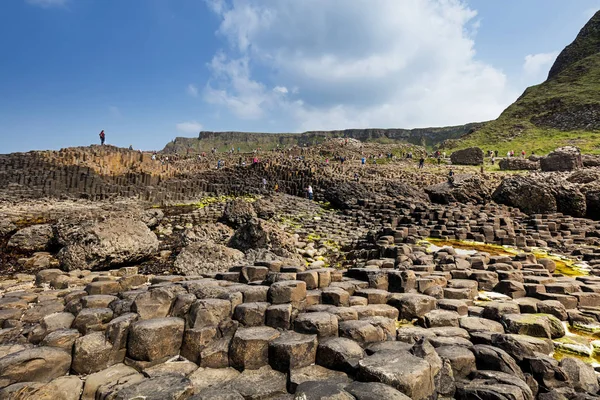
[[578, 344], [564, 265]]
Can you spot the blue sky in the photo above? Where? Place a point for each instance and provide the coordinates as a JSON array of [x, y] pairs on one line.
[[147, 71]]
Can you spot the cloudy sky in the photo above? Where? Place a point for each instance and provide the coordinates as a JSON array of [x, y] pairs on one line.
[[147, 71]]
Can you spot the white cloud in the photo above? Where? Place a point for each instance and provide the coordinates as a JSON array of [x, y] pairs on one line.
[[48, 3], [189, 127], [536, 66], [365, 63], [192, 90]]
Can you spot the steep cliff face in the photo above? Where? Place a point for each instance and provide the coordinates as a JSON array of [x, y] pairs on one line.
[[427, 137], [564, 110], [586, 44]]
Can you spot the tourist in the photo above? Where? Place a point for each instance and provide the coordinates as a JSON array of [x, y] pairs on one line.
[[451, 176], [130, 147], [309, 191], [264, 181], [523, 153], [356, 176], [493, 160], [363, 160], [421, 162], [508, 154], [276, 188], [219, 163], [102, 138]]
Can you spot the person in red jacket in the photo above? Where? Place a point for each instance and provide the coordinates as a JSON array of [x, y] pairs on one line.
[[102, 137]]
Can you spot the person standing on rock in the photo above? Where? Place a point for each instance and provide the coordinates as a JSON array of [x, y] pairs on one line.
[[421, 162], [363, 160], [102, 138], [264, 181], [309, 191]]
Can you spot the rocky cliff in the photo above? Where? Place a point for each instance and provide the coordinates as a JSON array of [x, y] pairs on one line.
[[563, 110], [427, 137]]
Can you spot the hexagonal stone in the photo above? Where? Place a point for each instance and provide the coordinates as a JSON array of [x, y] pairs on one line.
[[374, 391], [322, 390], [206, 378], [250, 314], [208, 312], [476, 324], [315, 373], [410, 375], [361, 331], [461, 359], [91, 353], [287, 292], [339, 354], [155, 303], [41, 364], [279, 316], [292, 350], [335, 296], [538, 325], [439, 318], [155, 339], [373, 296], [166, 387], [92, 319], [195, 340], [250, 347], [496, 309], [103, 287], [411, 305], [263, 383], [311, 278], [320, 323], [97, 379], [62, 339]]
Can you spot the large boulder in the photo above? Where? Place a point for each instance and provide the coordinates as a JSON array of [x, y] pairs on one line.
[[206, 257], [32, 238], [466, 188], [345, 195], [259, 234], [565, 158], [525, 193], [109, 243], [237, 212], [470, 156], [516, 164]]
